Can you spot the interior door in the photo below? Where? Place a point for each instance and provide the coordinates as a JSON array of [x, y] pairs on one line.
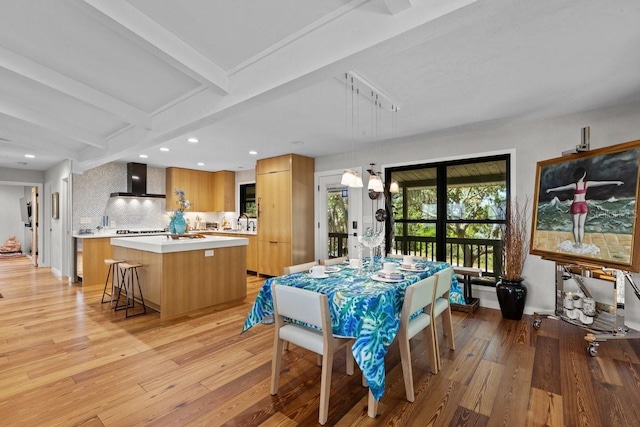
[[339, 216], [34, 226]]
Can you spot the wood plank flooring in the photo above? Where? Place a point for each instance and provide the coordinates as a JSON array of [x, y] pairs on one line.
[[66, 359]]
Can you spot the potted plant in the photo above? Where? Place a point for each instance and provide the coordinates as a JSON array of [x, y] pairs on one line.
[[511, 292]]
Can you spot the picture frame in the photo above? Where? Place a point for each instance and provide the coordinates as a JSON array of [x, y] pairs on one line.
[[55, 205], [584, 209]]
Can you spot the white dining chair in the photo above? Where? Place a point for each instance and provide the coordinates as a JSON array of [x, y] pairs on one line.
[[334, 261], [418, 298], [311, 308], [442, 308], [299, 267]]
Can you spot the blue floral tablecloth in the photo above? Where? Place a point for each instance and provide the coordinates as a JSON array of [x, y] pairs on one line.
[[361, 307]]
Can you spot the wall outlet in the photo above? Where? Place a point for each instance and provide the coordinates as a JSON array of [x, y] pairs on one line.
[[208, 252], [85, 220]]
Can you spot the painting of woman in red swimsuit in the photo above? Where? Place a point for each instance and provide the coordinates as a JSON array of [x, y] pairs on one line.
[[579, 207], [585, 208]]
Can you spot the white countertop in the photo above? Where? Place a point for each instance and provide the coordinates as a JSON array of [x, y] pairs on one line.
[[112, 233], [248, 233], [163, 244]]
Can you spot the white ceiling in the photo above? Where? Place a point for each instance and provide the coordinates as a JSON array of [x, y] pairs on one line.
[[107, 80]]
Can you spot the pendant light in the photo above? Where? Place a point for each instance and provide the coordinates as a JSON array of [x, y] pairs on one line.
[[350, 178]]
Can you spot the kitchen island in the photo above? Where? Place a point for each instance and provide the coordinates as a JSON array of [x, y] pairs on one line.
[[187, 274], [93, 248]]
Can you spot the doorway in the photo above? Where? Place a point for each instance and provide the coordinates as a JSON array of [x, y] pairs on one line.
[[339, 217]]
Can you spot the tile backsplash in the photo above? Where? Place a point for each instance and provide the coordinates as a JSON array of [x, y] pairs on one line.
[[92, 201]]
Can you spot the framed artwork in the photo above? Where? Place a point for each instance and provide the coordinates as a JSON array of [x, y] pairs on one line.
[[585, 208], [55, 205]]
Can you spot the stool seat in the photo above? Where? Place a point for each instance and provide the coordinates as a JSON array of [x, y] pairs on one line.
[[111, 273], [127, 284], [125, 265]]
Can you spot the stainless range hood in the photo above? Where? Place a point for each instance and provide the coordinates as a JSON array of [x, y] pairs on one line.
[[137, 183]]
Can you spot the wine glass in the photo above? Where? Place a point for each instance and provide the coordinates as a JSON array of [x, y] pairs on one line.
[[372, 239]]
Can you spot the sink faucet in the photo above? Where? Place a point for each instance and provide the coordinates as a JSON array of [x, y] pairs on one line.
[[240, 217], [252, 224]]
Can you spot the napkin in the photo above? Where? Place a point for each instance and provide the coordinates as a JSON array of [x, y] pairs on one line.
[[393, 276], [413, 266]]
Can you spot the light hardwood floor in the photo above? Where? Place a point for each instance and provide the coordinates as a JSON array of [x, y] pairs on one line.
[[66, 359]]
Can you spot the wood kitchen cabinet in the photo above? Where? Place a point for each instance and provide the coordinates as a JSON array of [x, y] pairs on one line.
[[284, 194], [207, 191], [252, 247], [224, 191]]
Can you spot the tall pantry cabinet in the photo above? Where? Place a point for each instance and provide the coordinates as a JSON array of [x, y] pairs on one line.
[[284, 192]]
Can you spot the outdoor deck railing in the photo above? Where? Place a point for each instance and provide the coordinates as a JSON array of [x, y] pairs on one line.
[[485, 254]]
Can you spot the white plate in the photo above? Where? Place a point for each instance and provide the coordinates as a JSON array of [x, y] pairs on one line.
[[331, 269], [384, 279], [415, 270], [324, 276]]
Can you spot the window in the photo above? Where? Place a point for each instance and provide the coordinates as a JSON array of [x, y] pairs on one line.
[[248, 199], [451, 211]]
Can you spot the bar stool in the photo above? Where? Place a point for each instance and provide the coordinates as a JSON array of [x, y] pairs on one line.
[[129, 276], [112, 272]]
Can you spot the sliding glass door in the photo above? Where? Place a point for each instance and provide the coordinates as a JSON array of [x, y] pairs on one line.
[[451, 211]]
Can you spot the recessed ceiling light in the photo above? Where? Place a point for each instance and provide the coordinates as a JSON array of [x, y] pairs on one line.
[[253, 152], [192, 140], [143, 156], [200, 164], [164, 149], [30, 156]]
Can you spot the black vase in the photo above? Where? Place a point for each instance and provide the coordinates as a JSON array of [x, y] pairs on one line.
[[512, 295]]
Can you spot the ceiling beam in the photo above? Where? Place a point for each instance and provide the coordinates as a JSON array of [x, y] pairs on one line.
[[42, 120], [39, 145], [302, 62], [397, 6], [129, 22], [48, 77]]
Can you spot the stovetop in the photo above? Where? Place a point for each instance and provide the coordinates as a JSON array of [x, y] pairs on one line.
[[139, 231]]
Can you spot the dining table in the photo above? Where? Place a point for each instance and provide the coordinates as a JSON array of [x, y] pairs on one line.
[[363, 306]]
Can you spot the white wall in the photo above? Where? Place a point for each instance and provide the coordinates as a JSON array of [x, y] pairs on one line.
[[531, 142], [10, 221], [57, 241]]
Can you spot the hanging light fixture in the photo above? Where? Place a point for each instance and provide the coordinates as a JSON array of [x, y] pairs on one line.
[[350, 178], [379, 102]]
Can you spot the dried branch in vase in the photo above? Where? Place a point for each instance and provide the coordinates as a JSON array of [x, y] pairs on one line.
[[515, 240]]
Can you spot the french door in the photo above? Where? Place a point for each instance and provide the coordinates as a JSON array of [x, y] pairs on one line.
[[338, 217]]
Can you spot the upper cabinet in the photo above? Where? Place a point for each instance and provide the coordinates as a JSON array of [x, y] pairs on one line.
[[207, 191], [224, 191]]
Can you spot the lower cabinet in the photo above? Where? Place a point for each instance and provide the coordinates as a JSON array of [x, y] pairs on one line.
[[278, 254], [252, 248], [252, 254]]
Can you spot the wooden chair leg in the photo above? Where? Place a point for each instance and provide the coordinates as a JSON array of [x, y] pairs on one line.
[[447, 327], [407, 371], [350, 361], [432, 347], [325, 387], [275, 364], [373, 406]]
